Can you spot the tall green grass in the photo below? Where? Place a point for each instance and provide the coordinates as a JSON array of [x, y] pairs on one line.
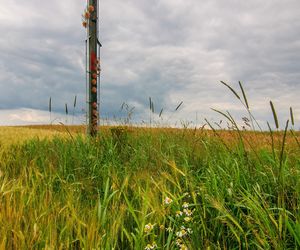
[[148, 189]]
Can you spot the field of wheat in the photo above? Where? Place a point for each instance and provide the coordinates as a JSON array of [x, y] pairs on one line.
[[138, 188]]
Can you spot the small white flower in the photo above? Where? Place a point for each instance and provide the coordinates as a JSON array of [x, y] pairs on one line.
[[154, 245], [168, 200], [185, 205], [188, 212], [179, 213], [179, 242], [181, 233], [148, 247], [151, 246], [189, 230], [148, 228]]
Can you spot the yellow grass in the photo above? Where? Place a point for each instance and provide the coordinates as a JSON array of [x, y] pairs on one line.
[[16, 135], [19, 134]]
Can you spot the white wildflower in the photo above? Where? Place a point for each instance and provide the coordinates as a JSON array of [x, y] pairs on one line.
[[178, 242], [179, 213], [168, 200], [185, 205], [188, 212], [148, 228], [154, 245], [148, 247], [151, 246], [181, 233]]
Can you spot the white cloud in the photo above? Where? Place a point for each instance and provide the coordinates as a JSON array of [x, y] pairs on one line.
[[26, 116], [171, 50]]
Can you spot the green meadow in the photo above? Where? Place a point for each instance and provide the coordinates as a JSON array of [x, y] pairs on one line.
[[142, 188]]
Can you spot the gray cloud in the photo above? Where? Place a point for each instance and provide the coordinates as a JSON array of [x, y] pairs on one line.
[[171, 50]]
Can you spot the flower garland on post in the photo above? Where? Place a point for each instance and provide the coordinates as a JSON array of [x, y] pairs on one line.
[[90, 22]]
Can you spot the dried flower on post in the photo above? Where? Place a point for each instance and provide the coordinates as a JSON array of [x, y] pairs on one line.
[[87, 15], [94, 81], [91, 8]]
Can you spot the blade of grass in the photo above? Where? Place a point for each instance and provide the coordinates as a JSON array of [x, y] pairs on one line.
[[179, 105], [66, 109], [223, 114], [50, 108], [215, 132], [294, 229], [272, 142], [50, 104], [283, 144], [150, 103], [74, 106], [295, 137], [244, 95], [246, 105], [292, 116], [274, 114], [160, 113], [231, 89]]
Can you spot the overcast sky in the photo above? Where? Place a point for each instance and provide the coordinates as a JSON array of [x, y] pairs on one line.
[[170, 50]]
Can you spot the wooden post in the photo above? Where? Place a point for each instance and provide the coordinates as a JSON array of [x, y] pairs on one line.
[[93, 68]]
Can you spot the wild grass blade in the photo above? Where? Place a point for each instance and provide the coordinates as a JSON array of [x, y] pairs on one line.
[[244, 95], [292, 116], [217, 134], [50, 108], [274, 115], [247, 105], [75, 102], [294, 229], [74, 107], [50, 104], [66, 109], [244, 103], [150, 104], [179, 105], [160, 113], [283, 145], [231, 89], [150, 111], [223, 114], [272, 142], [295, 137]]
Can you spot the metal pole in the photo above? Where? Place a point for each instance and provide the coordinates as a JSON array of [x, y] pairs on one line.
[[93, 62]]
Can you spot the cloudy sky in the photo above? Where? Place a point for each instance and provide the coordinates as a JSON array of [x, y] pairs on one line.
[[169, 50]]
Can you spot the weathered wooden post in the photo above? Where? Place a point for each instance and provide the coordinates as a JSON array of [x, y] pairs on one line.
[[93, 64]]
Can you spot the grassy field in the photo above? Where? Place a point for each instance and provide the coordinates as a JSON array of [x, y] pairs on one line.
[[138, 188]]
